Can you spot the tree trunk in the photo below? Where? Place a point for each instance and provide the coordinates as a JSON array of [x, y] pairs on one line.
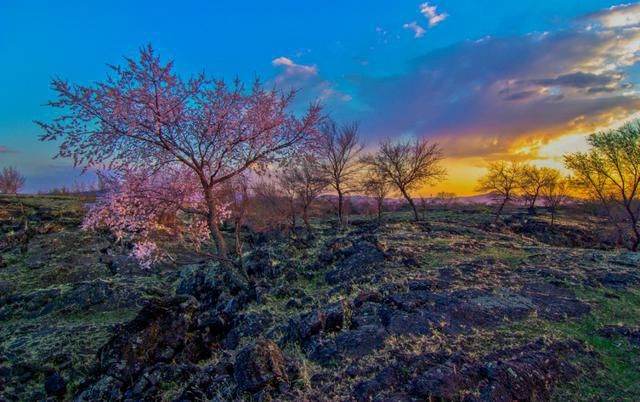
[[305, 219], [380, 210], [495, 221], [636, 234], [553, 215], [216, 233], [634, 227], [413, 205], [238, 229], [532, 210], [532, 206], [340, 208]]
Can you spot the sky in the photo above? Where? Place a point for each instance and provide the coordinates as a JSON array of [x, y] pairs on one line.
[[489, 80]]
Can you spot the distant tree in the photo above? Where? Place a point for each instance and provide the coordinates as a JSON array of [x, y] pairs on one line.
[[408, 165], [377, 186], [610, 171], [11, 181], [307, 181], [288, 190], [340, 147], [270, 208], [144, 115], [445, 199], [238, 191], [424, 203], [501, 181], [533, 179], [555, 192]]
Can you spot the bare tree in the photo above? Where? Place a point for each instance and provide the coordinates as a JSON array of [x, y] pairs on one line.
[[307, 182], [340, 147], [11, 181], [555, 193], [269, 209], [532, 181], [445, 199], [501, 181], [375, 185], [408, 165], [289, 194], [611, 171]]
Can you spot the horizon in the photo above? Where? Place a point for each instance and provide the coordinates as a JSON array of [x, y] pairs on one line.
[[526, 81]]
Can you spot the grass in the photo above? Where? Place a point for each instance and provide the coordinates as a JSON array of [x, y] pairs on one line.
[[618, 377], [613, 372], [506, 255]]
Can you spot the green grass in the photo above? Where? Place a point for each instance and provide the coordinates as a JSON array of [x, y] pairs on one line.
[[615, 375], [619, 376], [506, 255]]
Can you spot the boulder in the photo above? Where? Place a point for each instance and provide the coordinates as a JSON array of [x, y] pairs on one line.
[[332, 318], [55, 386], [259, 365]]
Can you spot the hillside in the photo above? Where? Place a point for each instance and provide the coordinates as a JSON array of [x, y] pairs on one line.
[[452, 309]]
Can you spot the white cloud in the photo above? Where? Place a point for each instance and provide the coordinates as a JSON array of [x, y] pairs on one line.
[[431, 13], [294, 68], [624, 15], [416, 28]]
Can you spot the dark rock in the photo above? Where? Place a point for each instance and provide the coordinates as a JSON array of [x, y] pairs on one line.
[[333, 318], [150, 382], [55, 385], [618, 280], [555, 302], [368, 313], [120, 264], [167, 330], [325, 257], [402, 323], [6, 288], [249, 325], [523, 373], [364, 297], [410, 262], [293, 304], [205, 285], [259, 365], [105, 389], [97, 295], [632, 334], [361, 341], [440, 383]]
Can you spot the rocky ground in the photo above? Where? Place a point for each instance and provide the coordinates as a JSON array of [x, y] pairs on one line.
[[450, 310]]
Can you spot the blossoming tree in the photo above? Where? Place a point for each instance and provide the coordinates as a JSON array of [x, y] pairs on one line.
[[144, 117]]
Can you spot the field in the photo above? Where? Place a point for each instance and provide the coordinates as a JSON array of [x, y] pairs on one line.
[[449, 309]]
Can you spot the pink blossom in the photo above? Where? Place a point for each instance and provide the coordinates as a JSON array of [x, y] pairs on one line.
[[187, 136]]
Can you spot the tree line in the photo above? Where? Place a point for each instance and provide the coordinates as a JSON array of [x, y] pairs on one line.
[[508, 182], [184, 150], [195, 153], [609, 173]]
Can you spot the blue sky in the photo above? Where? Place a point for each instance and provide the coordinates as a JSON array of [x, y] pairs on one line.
[[487, 79]]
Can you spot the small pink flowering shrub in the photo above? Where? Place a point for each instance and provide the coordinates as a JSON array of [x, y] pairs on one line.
[[146, 253], [135, 204]]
